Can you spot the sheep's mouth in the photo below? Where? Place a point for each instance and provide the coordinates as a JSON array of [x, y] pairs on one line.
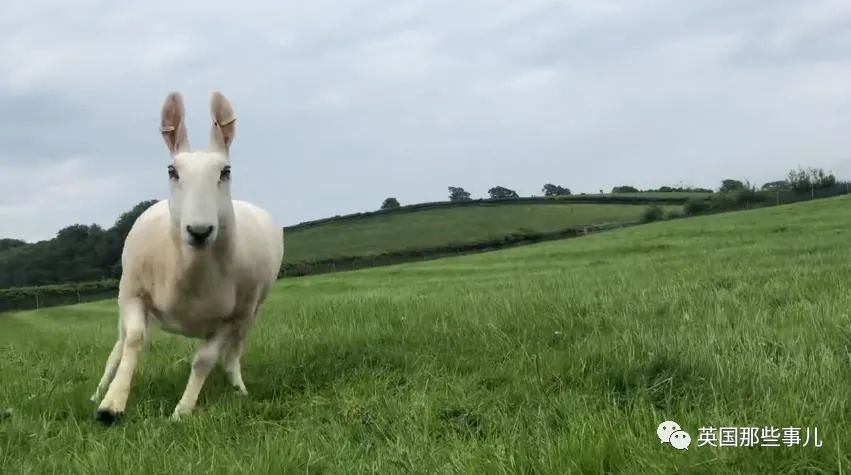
[[198, 246]]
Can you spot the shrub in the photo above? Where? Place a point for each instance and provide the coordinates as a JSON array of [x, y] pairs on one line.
[[653, 213], [695, 206], [749, 197], [723, 202], [675, 214]]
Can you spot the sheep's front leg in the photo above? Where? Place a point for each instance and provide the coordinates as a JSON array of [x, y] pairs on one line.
[[133, 327], [202, 364]]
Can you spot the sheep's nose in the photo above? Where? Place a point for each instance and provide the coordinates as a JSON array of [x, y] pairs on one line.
[[200, 232]]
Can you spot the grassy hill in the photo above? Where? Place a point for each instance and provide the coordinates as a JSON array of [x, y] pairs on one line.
[[428, 228], [552, 358]]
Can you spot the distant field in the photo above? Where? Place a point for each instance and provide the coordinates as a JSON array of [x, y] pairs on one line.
[[375, 234], [672, 194], [561, 357]]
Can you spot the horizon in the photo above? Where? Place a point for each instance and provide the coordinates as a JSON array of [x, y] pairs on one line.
[[344, 105], [447, 200]]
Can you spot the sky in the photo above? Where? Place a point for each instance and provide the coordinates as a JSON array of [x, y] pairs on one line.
[[343, 103]]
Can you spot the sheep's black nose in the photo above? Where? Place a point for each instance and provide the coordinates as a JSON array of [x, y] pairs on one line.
[[199, 233]]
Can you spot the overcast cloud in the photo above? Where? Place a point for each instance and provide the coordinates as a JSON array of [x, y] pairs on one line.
[[344, 103]]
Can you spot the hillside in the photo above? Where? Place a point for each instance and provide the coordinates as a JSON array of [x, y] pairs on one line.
[[558, 357], [382, 233], [91, 253]]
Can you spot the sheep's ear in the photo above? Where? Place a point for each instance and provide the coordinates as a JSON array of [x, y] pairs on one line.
[[224, 126], [172, 124]]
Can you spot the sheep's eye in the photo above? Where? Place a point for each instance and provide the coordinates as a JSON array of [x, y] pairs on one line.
[[225, 173], [172, 172]]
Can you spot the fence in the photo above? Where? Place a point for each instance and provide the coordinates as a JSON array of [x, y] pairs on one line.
[[791, 196], [28, 298]]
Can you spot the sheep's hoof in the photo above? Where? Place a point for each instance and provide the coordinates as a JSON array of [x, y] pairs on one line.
[[242, 392], [180, 412], [107, 417]]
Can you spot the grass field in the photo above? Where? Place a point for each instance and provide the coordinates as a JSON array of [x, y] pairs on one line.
[[437, 227], [561, 357]]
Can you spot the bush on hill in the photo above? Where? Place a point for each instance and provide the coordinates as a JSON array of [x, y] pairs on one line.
[[653, 213]]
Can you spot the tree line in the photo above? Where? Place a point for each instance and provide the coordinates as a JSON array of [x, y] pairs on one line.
[[78, 253], [800, 179]]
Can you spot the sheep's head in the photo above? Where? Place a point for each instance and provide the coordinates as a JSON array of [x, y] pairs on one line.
[[199, 199]]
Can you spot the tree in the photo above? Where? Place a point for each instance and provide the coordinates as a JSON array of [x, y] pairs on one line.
[[776, 185], [78, 253], [79, 233], [553, 190], [125, 220], [390, 203], [458, 194], [500, 192], [7, 243], [731, 185], [810, 178], [624, 189]]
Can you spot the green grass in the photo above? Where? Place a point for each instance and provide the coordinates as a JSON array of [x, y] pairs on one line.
[[376, 234], [561, 357]]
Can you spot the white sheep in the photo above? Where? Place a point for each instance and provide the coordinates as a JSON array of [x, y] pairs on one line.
[[198, 263]]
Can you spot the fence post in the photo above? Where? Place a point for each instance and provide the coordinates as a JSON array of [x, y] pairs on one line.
[[36, 301]]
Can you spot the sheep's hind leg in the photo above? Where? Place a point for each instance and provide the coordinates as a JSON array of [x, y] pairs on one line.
[[233, 347], [109, 371], [134, 326], [231, 362], [202, 364]]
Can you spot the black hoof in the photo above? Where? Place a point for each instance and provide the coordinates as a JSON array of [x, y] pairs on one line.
[[108, 418], [238, 390]]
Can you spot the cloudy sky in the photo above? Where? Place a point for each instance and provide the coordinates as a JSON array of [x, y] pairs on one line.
[[343, 103]]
